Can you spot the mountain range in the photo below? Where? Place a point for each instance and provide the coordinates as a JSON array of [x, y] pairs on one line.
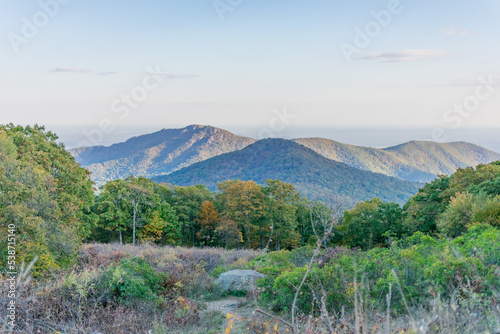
[[169, 150], [418, 161], [315, 176], [320, 168]]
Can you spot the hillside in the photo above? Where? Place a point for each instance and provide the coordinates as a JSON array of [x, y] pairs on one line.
[[438, 158], [158, 153], [416, 161], [314, 175]]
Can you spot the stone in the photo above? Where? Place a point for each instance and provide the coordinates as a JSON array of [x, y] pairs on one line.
[[237, 280]]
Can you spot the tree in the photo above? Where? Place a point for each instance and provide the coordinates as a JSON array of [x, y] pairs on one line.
[[123, 205], [187, 202], [209, 218], [281, 198], [243, 202], [111, 209], [488, 210], [161, 224], [466, 209], [45, 194], [136, 205], [370, 223], [228, 232], [466, 179], [138, 192], [423, 209], [303, 216]]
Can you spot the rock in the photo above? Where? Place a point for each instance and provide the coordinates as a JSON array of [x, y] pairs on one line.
[[236, 280]]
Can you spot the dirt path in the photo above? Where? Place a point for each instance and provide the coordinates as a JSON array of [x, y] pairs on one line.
[[239, 307], [228, 305]]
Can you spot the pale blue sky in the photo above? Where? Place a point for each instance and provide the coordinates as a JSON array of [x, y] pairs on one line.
[[264, 54]]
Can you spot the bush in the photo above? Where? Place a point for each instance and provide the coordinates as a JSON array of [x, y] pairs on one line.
[[419, 268], [134, 279], [301, 256], [459, 214]]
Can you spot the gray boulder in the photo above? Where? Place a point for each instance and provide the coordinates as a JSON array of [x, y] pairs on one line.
[[236, 280]]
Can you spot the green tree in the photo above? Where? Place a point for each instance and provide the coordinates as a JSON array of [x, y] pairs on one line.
[[243, 202], [370, 224], [111, 208], [45, 194], [488, 212], [303, 215], [187, 202], [427, 208], [161, 224], [459, 214], [482, 178], [136, 206], [466, 209], [281, 211], [423, 209], [137, 196]]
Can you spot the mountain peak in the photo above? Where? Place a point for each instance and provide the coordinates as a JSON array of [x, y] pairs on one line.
[[199, 126], [158, 153]]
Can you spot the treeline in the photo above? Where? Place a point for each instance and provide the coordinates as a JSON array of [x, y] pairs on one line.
[[446, 207], [242, 214], [51, 202]]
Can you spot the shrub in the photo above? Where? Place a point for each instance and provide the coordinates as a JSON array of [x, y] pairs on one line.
[[459, 214], [134, 279], [301, 256], [418, 268]]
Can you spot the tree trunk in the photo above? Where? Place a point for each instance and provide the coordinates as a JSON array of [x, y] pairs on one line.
[[121, 241], [133, 222], [193, 232], [183, 233], [248, 237]]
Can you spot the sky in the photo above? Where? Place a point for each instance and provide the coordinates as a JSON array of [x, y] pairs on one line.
[[98, 70]]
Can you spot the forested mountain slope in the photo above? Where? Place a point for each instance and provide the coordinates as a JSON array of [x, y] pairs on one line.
[[314, 175], [418, 161]]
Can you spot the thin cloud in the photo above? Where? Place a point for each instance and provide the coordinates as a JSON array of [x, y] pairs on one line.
[[81, 71], [452, 31], [408, 55]]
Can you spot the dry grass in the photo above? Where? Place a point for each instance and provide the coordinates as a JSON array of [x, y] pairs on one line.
[[208, 258]]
